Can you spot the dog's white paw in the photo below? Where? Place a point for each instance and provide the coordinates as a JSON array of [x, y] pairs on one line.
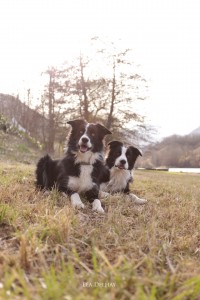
[[137, 200], [76, 201], [96, 206], [103, 194], [140, 201]]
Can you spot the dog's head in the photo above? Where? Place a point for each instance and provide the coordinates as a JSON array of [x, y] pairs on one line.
[[86, 137], [120, 156]]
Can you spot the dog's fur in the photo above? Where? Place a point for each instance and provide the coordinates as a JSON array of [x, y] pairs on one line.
[[81, 168], [120, 162]]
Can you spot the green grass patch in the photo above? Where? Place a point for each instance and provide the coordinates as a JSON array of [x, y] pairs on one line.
[[23, 148]]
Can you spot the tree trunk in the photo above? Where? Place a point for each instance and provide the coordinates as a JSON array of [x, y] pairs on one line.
[[110, 116], [84, 91], [51, 129]]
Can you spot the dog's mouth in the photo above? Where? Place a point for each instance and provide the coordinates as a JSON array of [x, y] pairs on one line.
[[121, 167], [84, 148]]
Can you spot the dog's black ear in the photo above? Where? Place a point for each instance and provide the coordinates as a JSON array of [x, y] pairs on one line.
[[104, 131], [135, 151], [77, 122], [114, 144]]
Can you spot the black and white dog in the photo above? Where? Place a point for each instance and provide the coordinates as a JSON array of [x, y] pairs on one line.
[[120, 161], [81, 168]]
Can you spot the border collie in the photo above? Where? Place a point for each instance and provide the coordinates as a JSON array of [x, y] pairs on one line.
[[120, 161], [81, 168]]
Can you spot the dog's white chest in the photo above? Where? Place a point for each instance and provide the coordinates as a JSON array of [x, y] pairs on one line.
[[82, 183], [118, 180]]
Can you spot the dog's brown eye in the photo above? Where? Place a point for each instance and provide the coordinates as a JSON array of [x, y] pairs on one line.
[[81, 131], [93, 134]]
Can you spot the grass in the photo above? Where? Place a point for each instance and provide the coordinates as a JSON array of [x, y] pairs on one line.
[[50, 251]]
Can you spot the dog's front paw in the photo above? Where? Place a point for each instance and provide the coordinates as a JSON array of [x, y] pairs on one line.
[[137, 200], [103, 194], [76, 201], [96, 206], [140, 201]]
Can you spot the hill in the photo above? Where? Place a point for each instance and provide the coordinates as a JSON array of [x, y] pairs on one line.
[[173, 151], [32, 121], [196, 131], [17, 146], [23, 117]]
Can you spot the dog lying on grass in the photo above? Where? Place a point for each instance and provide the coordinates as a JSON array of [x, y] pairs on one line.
[[120, 161], [80, 170]]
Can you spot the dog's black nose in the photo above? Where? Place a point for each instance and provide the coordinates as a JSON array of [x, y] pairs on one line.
[[122, 161], [84, 140]]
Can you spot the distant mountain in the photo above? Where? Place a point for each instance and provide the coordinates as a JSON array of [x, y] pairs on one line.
[[173, 151], [196, 131]]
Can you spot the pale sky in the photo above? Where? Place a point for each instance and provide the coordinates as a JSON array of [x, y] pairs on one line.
[[164, 34]]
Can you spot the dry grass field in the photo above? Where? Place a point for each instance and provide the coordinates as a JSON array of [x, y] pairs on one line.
[[50, 251]]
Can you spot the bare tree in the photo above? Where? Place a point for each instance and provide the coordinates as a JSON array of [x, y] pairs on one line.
[[49, 106], [124, 87], [79, 89]]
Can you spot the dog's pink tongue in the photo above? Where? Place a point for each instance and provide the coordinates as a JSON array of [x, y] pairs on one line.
[[121, 167], [83, 148]]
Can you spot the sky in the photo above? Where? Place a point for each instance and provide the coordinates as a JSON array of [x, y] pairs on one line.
[[164, 36]]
